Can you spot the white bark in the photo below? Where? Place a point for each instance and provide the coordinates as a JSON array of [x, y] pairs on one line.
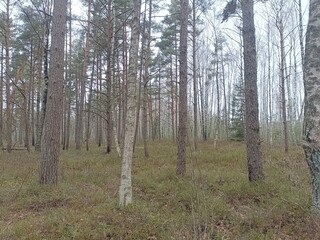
[[125, 190], [312, 103]]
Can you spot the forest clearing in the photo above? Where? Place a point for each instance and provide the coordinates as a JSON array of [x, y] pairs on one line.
[[214, 200], [180, 119]]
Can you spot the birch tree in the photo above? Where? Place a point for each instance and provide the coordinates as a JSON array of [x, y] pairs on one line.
[[125, 191], [312, 105]]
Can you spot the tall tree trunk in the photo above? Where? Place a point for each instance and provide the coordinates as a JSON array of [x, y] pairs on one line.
[[172, 93], [217, 127], [8, 88], [26, 111], [125, 190], [89, 104], [109, 78], [225, 102], [146, 79], [183, 90], [282, 85], [312, 105], [1, 95], [32, 94], [159, 103], [99, 94], [195, 83], [83, 80], [45, 73], [251, 93], [52, 121], [39, 89], [68, 124]]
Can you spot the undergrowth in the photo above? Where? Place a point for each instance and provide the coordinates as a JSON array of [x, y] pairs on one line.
[[213, 201]]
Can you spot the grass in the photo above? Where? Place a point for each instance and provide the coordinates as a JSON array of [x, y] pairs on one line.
[[213, 201]]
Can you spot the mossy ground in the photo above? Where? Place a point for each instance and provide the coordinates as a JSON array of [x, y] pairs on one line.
[[213, 201]]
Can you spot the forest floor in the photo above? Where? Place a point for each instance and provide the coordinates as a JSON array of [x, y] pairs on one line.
[[213, 201]]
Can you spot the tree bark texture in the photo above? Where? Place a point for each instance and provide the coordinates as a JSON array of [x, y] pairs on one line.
[[1, 95], [312, 105], [125, 190], [251, 93], [52, 121], [183, 90]]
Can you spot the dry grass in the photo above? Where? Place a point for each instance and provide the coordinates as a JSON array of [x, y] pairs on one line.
[[213, 201]]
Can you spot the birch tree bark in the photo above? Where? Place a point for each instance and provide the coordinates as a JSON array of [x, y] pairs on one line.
[[1, 95], [125, 190], [251, 93], [53, 117], [311, 129]]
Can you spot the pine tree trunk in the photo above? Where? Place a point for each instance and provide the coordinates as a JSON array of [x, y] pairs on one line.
[[251, 93], [52, 121], [125, 191], [145, 86], [183, 90], [312, 105], [109, 78]]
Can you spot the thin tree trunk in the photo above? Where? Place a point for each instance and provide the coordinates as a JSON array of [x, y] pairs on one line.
[[89, 105], [109, 78], [32, 94], [282, 85], [195, 83], [145, 86], [45, 73], [83, 80], [217, 128], [125, 191], [39, 89], [68, 124], [159, 103], [226, 120], [1, 95], [172, 93], [8, 87]]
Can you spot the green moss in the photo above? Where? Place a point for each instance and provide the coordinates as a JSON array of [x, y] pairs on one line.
[[213, 201]]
